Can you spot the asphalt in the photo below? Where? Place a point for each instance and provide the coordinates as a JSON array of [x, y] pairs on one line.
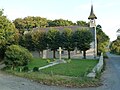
[[110, 79]]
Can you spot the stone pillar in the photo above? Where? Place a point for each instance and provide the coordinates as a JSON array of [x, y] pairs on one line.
[[44, 54], [75, 51]]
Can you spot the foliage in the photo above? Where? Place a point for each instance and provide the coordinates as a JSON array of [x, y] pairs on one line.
[[34, 40], [17, 56], [8, 34], [1, 12], [25, 69], [102, 39], [67, 40], [35, 69], [53, 37], [39, 38], [59, 22], [82, 23], [28, 41], [30, 22], [115, 46], [83, 38]]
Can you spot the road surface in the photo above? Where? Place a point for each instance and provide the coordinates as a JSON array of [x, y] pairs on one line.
[[110, 78]]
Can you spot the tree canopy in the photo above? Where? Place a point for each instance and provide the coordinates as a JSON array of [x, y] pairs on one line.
[[102, 39], [8, 34], [82, 23], [67, 40], [59, 22], [115, 46], [53, 37], [83, 38], [30, 22]]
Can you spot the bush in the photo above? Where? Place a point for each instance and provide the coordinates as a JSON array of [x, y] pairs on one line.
[[35, 69], [25, 69], [17, 56]]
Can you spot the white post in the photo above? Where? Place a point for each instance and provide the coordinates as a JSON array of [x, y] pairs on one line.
[[60, 50], [95, 46]]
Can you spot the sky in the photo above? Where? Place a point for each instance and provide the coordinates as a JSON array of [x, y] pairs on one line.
[[107, 11]]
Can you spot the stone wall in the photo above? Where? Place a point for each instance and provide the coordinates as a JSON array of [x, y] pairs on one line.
[[97, 68]]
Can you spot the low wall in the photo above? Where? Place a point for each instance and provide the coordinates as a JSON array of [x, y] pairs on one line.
[[97, 68]]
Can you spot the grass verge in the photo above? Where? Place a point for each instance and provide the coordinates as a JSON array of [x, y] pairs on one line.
[[57, 80]]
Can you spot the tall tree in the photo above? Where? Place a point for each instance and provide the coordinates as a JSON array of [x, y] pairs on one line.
[[8, 34], [83, 38], [40, 40], [115, 46], [67, 40], [53, 37], [102, 40], [28, 41], [30, 22]]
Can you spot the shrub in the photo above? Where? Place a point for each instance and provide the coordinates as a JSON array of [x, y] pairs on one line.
[[25, 69], [69, 60], [48, 61], [35, 69], [17, 56]]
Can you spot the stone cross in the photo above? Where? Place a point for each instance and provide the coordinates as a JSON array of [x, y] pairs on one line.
[[60, 50]]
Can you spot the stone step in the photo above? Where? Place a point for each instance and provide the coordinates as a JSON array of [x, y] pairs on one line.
[[52, 64]]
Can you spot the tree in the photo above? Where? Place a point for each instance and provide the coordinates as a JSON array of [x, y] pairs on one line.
[[1, 12], [82, 23], [53, 37], [8, 35], [102, 40], [59, 22], [67, 40], [83, 38], [28, 41], [115, 46], [30, 22], [19, 23], [40, 40]]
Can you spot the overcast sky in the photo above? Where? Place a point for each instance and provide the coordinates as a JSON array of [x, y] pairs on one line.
[[107, 11]]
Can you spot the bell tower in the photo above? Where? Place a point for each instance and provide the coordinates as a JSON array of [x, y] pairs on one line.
[[92, 18]]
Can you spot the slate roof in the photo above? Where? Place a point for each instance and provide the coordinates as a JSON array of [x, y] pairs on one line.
[[61, 28]]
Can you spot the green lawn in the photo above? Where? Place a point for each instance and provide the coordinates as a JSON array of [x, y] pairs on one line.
[[59, 74], [75, 68], [37, 62]]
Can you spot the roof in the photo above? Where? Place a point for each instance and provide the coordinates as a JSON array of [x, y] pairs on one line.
[[61, 28], [92, 15]]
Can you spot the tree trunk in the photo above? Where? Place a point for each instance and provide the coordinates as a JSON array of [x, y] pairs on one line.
[[42, 53], [68, 54], [84, 54], [54, 54], [39, 53]]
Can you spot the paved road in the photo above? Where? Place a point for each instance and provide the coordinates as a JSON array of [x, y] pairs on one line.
[[111, 79]]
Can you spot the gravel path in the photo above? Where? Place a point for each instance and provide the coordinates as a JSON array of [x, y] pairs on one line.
[[111, 79]]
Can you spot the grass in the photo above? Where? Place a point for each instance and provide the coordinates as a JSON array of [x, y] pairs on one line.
[[71, 74], [37, 62], [76, 68], [57, 80]]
